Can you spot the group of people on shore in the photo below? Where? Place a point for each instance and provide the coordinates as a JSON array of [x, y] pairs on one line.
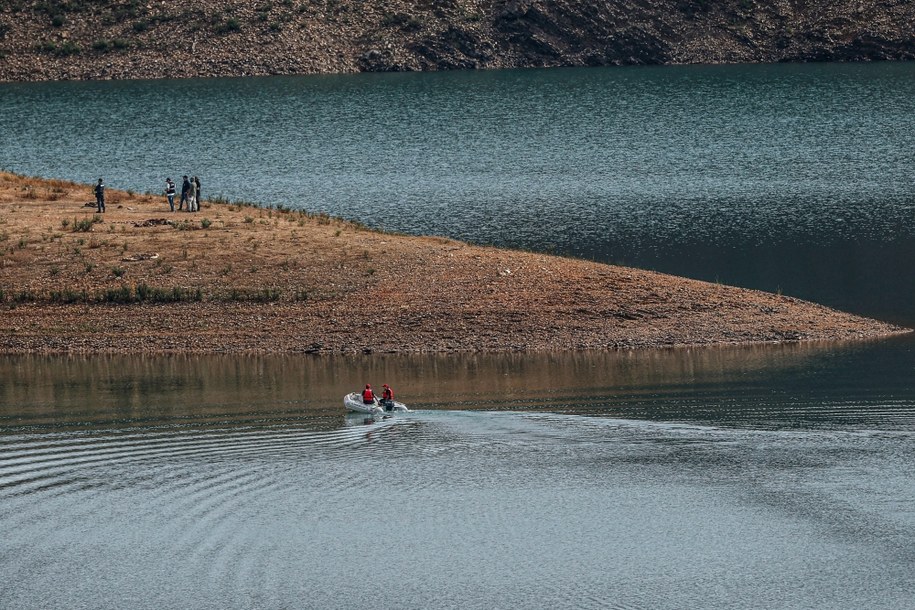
[[387, 396], [190, 194]]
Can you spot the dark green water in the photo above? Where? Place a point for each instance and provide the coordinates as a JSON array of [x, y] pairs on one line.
[[789, 177], [762, 477]]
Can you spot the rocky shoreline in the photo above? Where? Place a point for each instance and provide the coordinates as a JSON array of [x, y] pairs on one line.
[[241, 279], [109, 39]]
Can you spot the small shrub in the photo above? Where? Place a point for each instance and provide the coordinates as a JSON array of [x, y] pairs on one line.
[[122, 294], [65, 223], [58, 21], [104, 46], [82, 225], [143, 291], [118, 271], [205, 223], [69, 296], [228, 26], [24, 296], [65, 49], [265, 295], [270, 294]]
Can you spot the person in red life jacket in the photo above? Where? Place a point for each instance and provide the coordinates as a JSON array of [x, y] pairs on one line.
[[368, 396], [387, 398]]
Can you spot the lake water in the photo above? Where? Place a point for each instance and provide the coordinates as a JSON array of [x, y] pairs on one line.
[[740, 477], [773, 476], [796, 178]]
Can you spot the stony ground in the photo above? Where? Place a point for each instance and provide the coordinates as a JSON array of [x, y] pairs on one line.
[[233, 278], [105, 39]]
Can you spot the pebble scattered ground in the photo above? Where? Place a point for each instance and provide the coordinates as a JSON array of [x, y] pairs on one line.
[[241, 279]]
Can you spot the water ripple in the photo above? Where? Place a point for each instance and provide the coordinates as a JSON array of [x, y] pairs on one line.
[[528, 506]]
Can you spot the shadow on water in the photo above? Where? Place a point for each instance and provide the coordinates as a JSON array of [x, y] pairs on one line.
[[867, 383]]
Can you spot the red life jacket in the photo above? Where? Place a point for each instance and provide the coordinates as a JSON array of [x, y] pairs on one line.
[[388, 394], [368, 397]]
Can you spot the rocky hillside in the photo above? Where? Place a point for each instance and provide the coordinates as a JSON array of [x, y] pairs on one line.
[[99, 39]]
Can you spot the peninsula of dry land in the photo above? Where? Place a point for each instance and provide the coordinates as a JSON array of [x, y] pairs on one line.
[[237, 278]]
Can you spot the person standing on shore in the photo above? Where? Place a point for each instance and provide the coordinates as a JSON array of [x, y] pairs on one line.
[[170, 193], [185, 189], [100, 195], [197, 184], [192, 197]]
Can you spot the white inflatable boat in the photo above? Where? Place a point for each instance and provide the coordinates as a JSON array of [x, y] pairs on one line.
[[353, 402]]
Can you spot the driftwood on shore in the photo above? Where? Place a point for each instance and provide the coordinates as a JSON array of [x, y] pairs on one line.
[[236, 278]]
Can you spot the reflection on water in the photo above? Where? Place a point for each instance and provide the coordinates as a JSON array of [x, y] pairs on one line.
[[777, 476], [766, 385], [764, 477]]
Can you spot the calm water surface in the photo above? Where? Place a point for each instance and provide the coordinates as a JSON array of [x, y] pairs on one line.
[[767, 477], [757, 477]]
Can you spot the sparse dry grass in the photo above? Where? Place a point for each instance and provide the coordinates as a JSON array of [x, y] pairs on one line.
[[257, 279], [81, 239]]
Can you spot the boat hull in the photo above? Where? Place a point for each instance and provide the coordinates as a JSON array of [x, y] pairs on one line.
[[353, 402]]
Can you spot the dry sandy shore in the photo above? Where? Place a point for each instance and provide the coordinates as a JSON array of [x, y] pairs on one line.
[[235, 278]]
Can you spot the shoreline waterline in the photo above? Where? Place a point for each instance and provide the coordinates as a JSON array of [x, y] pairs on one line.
[[237, 279]]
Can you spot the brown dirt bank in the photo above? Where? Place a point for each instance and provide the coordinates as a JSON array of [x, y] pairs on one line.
[[234, 278], [104, 39]]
